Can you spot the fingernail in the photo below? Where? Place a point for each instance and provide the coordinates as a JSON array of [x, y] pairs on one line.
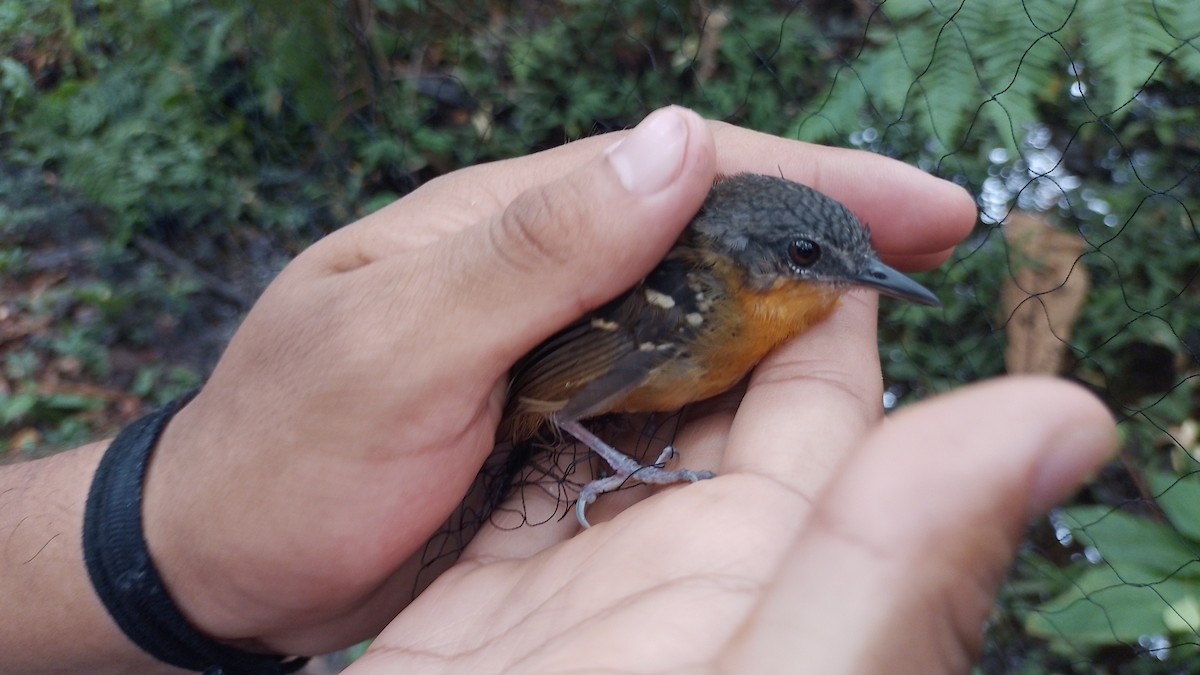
[[648, 159], [1075, 455]]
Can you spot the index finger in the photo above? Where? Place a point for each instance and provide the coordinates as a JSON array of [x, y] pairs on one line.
[[810, 401], [916, 219]]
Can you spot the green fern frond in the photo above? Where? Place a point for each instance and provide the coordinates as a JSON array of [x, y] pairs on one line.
[[1182, 22], [944, 82], [947, 93], [1123, 44], [834, 115], [1019, 60]]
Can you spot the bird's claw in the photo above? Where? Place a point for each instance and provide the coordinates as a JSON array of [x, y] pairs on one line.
[[624, 468]]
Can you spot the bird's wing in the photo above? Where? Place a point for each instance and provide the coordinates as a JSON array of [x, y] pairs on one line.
[[592, 364]]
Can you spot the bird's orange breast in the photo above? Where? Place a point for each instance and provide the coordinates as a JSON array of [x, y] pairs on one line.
[[739, 331]]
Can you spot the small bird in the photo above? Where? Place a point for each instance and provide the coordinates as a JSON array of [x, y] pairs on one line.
[[762, 261]]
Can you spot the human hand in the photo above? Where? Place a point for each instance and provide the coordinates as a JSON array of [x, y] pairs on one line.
[[893, 567], [354, 406]]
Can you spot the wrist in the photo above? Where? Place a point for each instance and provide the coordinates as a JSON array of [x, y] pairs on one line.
[[193, 542], [127, 577]]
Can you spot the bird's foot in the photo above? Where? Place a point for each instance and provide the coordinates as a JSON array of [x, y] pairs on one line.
[[624, 467]]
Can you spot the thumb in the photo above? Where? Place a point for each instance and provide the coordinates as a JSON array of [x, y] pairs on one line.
[[904, 552], [563, 248]]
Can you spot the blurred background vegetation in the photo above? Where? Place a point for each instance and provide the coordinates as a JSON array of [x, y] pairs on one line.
[[160, 160]]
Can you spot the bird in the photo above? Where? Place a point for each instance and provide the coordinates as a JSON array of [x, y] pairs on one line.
[[763, 260]]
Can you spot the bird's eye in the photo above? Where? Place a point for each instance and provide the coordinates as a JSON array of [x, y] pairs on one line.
[[804, 252]]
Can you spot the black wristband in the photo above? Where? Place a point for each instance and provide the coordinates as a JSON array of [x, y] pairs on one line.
[[124, 576]]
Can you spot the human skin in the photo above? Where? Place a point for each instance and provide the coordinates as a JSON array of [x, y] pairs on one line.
[[353, 408]]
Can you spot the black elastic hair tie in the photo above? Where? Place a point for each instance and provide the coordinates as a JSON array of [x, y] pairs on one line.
[[124, 576]]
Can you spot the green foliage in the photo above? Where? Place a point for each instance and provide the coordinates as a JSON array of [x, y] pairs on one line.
[[916, 345], [180, 129], [1104, 608], [1124, 42], [16, 88], [101, 139], [161, 383], [948, 67], [197, 122], [1147, 580]]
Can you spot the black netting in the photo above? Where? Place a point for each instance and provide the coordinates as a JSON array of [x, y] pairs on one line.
[[1075, 123]]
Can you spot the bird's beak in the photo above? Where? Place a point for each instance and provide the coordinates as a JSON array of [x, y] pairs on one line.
[[890, 282]]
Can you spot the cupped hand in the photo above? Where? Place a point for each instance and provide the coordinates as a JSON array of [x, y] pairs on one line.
[[816, 550], [354, 406]]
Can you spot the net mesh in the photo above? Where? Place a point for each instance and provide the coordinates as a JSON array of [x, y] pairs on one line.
[[1074, 123]]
